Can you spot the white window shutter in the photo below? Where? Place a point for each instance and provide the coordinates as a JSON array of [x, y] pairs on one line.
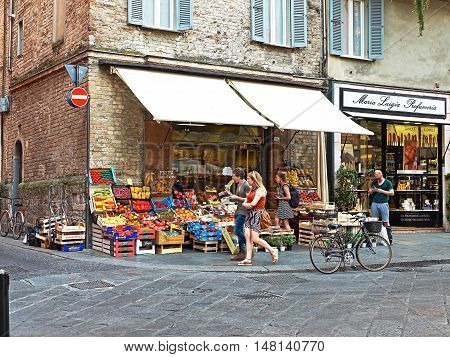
[[135, 12]]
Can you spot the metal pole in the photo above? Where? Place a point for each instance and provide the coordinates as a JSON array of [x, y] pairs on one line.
[[4, 304], [88, 140]]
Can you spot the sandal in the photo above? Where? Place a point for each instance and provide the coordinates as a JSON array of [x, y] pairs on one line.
[[275, 256], [245, 262]]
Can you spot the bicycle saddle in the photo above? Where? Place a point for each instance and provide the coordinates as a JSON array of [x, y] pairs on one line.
[[334, 226]]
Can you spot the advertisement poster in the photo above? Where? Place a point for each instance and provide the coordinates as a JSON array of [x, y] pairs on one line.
[[429, 136], [398, 135], [410, 155]]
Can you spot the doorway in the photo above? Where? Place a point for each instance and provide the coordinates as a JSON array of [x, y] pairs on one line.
[[17, 170]]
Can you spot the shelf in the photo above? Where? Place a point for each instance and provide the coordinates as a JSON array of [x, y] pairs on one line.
[[424, 174]]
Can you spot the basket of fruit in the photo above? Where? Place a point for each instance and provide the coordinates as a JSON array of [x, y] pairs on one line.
[[162, 204], [100, 175], [140, 193], [122, 192], [142, 206]]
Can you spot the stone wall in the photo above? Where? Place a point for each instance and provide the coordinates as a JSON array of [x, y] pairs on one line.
[[117, 125], [303, 150], [39, 51], [221, 34], [52, 134]]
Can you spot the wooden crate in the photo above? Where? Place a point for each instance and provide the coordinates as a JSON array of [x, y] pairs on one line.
[[144, 233], [117, 248], [169, 248], [162, 238], [209, 246]]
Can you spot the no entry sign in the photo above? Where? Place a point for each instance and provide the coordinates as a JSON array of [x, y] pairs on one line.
[[77, 97]]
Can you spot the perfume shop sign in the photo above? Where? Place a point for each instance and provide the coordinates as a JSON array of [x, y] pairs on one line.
[[362, 101]]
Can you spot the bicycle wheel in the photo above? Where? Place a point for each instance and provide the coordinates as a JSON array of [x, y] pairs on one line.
[[373, 252], [326, 254], [19, 221], [5, 224]]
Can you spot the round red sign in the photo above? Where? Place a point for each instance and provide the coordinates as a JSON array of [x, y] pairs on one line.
[[78, 97]]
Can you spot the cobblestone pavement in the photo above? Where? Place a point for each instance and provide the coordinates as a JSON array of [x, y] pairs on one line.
[[397, 302]]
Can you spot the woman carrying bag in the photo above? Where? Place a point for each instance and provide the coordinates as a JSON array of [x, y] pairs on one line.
[[284, 209], [255, 203]]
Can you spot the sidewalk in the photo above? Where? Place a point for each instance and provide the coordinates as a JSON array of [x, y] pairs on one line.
[[408, 250]]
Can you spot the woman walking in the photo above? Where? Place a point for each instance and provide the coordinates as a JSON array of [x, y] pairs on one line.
[[284, 209], [255, 203]]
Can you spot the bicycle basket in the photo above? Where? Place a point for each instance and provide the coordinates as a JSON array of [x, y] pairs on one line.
[[373, 227]]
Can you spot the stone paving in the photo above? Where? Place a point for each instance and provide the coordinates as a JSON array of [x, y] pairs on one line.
[[401, 301]]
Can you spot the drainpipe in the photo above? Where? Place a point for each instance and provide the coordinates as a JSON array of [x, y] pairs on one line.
[[5, 20], [323, 48], [11, 18]]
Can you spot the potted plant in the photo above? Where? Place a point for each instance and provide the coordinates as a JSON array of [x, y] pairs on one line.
[[347, 181], [289, 241]]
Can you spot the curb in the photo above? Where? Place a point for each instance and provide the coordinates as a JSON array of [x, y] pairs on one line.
[[258, 269]]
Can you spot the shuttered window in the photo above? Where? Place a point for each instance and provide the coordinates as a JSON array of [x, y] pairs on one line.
[[357, 28], [161, 14], [376, 29], [280, 22]]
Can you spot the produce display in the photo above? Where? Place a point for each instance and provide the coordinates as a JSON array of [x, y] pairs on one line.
[[120, 232], [168, 215], [162, 186], [123, 206], [161, 204], [185, 214], [298, 177], [112, 221], [142, 206], [308, 196], [122, 192], [102, 198], [102, 176], [191, 197], [140, 193]]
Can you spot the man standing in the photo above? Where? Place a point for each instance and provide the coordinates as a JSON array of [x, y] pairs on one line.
[[238, 193], [381, 190]]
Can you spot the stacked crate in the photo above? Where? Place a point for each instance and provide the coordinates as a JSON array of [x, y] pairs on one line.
[[70, 238], [117, 241], [206, 236], [145, 243]]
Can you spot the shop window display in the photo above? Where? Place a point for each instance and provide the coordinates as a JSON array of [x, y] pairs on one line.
[[199, 155], [408, 154]]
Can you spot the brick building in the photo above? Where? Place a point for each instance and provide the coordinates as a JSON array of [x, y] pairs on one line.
[[262, 41]]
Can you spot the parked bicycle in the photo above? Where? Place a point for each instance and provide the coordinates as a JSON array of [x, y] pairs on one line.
[[10, 222], [329, 251]]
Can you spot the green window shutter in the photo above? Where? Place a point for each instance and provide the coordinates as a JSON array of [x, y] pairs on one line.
[[184, 14], [376, 29], [135, 13], [299, 23], [336, 27], [259, 16]]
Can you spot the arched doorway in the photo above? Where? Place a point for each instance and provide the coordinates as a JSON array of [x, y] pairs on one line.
[[17, 169]]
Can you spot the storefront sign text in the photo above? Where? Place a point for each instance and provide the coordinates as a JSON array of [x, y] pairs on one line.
[[396, 104]]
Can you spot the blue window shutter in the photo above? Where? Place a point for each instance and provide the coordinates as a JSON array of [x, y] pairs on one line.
[[376, 29], [336, 27], [259, 25], [299, 23], [135, 13], [184, 14]]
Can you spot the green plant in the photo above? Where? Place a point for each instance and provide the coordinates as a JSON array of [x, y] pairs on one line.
[[288, 240], [420, 6], [347, 181]]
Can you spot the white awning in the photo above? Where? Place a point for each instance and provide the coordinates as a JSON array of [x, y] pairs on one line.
[[189, 99], [297, 108]]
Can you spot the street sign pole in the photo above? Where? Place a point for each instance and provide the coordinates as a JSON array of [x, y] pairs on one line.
[[88, 242], [78, 98], [4, 304]]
